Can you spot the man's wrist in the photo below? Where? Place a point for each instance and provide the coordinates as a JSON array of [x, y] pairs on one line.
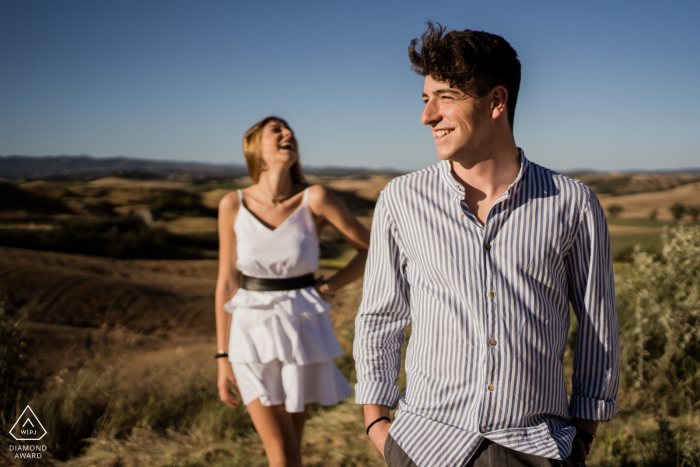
[[379, 420], [585, 438], [585, 432]]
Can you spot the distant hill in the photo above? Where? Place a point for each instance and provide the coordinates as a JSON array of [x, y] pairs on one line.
[[85, 167], [619, 183], [88, 167]]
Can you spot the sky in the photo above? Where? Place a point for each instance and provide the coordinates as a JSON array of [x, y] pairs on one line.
[[606, 85]]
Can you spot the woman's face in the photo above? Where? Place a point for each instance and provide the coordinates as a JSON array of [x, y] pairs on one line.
[[278, 144]]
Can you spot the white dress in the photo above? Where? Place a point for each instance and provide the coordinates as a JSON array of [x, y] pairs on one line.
[[282, 343]]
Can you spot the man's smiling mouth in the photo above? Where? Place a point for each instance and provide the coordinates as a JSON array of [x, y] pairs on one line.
[[439, 133]]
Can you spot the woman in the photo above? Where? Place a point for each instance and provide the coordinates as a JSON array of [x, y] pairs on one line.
[[279, 339]]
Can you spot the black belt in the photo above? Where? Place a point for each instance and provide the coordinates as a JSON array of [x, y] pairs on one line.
[[269, 285]]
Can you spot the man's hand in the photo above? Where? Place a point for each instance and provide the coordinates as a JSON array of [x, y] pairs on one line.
[[380, 430], [379, 434], [591, 426]]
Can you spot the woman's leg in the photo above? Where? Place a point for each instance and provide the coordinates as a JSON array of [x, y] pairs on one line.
[[298, 419], [277, 430]]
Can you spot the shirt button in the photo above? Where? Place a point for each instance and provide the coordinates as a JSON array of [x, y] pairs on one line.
[[492, 342], [487, 247], [491, 387], [484, 430], [458, 187], [461, 214], [491, 294]]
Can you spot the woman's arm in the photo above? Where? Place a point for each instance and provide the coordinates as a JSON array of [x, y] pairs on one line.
[[226, 287], [326, 205]]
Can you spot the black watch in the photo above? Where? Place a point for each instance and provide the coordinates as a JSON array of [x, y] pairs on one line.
[[586, 437]]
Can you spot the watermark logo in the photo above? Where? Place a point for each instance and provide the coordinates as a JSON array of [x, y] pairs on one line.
[[28, 427]]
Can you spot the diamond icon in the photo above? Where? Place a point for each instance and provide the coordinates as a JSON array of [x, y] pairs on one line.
[[28, 427]]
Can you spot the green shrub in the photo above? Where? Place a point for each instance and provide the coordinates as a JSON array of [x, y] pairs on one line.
[[658, 303], [677, 210], [648, 441], [615, 209], [693, 211]]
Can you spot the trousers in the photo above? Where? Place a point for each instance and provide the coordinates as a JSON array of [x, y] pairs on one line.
[[490, 454]]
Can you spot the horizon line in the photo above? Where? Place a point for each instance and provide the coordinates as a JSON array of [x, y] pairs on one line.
[[578, 170]]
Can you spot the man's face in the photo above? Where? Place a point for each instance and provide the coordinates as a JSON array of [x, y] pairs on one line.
[[461, 123]]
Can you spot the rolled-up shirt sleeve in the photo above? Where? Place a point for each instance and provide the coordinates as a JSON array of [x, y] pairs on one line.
[[383, 316], [592, 293]]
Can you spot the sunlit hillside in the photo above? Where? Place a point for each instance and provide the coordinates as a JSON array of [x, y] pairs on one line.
[[107, 302]]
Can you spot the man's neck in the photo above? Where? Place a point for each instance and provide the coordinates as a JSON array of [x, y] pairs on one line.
[[486, 179], [491, 175]]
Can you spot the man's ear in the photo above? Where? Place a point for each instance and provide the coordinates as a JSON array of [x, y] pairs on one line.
[[499, 97]]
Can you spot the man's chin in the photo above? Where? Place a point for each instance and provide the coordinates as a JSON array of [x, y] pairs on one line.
[[444, 155]]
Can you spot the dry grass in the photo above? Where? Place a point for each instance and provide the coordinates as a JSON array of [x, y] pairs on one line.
[[639, 205], [131, 183]]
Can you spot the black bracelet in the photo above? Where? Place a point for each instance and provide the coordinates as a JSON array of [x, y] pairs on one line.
[[377, 420], [221, 355]]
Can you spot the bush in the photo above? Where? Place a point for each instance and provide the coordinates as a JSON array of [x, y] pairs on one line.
[[648, 441], [694, 211], [658, 301], [614, 210], [677, 210]]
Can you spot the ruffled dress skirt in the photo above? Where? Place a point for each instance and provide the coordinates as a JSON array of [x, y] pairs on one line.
[[282, 348]]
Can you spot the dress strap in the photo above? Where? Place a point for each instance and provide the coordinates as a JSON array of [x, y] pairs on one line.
[[240, 196], [306, 195]]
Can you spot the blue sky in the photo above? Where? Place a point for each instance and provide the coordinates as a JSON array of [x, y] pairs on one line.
[[606, 85]]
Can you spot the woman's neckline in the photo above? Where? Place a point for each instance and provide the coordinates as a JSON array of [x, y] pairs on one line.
[[264, 224]]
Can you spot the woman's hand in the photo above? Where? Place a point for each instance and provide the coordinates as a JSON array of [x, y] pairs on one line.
[[323, 288], [226, 380]]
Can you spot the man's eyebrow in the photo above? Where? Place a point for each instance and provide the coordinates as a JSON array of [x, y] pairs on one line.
[[443, 91]]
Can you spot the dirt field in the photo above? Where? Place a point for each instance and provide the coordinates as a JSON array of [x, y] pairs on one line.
[[639, 205], [78, 305]]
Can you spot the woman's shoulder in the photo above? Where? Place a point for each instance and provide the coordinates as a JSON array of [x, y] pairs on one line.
[[230, 202], [322, 199], [318, 195]]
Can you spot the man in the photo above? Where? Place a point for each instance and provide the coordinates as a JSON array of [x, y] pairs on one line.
[[482, 254]]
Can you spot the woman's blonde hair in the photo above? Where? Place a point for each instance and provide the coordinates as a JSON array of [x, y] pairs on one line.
[[252, 149]]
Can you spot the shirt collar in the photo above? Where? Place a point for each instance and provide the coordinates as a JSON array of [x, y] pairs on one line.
[[458, 189]]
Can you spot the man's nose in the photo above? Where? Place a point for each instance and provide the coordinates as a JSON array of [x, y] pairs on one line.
[[430, 113]]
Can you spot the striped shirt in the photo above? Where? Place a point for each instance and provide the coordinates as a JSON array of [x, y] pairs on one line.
[[489, 309]]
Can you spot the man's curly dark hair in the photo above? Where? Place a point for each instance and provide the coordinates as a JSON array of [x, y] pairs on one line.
[[472, 61]]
